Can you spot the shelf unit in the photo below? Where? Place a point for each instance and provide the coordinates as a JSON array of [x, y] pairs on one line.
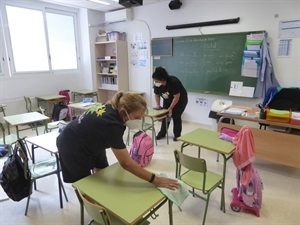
[[111, 68]]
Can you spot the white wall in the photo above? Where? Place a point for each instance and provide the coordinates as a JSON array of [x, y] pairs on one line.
[[151, 21], [254, 15]]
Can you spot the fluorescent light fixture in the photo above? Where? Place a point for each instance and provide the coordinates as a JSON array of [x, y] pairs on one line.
[[100, 2]]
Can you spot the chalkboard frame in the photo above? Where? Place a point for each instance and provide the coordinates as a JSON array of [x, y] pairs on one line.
[[162, 47], [223, 87]]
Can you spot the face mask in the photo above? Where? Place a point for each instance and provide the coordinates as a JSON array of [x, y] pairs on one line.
[[133, 124], [157, 84]]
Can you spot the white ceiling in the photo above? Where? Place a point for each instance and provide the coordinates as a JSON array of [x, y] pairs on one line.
[[96, 6]]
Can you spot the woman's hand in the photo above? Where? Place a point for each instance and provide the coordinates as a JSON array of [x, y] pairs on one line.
[[164, 182]]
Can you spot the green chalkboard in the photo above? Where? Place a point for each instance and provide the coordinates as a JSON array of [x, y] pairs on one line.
[[162, 47], [207, 63]]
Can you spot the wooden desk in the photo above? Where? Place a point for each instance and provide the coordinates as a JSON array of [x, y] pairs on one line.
[[48, 142], [80, 106], [123, 194], [30, 118], [50, 99], [156, 115], [85, 93], [208, 139], [277, 147]]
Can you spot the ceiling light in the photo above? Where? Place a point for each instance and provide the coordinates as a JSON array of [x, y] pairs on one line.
[[100, 2], [175, 4]]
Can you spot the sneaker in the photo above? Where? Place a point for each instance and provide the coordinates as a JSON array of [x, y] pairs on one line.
[[159, 136], [175, 138]]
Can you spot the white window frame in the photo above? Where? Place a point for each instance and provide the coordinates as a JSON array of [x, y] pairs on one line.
[[45, 7]]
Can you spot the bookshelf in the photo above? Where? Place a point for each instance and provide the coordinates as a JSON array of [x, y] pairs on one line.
[[112, 68]]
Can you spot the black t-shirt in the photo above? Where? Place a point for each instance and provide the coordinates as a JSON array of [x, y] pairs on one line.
[[173, 87], [95, 130]]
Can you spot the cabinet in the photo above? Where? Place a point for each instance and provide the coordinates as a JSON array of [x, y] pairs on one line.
[[111, 68]]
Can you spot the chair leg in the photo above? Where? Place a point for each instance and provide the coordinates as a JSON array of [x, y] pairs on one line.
[[28, 198], [63, 188], [206, 207]]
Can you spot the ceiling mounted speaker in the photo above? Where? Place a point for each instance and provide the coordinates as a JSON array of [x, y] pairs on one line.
[[175, 4]]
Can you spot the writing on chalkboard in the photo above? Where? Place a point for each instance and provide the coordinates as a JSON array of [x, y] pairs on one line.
[[207, 63]]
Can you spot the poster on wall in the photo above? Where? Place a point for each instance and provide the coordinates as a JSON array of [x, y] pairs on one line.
[[289, 29], [138, 52]]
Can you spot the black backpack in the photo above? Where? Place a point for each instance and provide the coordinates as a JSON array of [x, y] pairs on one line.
[[60, 112], [15, 177]]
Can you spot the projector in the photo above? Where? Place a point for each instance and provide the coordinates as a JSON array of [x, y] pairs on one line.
[[130, 3]]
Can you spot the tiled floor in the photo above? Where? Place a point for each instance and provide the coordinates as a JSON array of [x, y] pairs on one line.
[[281, 195]]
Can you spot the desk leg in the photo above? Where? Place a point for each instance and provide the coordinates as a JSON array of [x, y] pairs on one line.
[[225, 159], [59, 181], [170, 204], [17, 129], [81, 207]]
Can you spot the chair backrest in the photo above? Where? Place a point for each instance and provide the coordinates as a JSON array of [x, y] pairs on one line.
[[98, 213], [28, 104], [189, 162], [2, 110], [42, 110], [2, 132]]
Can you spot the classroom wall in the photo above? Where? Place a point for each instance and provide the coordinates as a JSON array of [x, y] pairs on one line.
[[254, 15], [150, 21]]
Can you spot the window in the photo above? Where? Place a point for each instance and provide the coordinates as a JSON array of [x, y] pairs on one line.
[[42, 39]]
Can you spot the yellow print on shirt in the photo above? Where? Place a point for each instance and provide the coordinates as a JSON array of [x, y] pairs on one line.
[[165, 95], [99, 110]]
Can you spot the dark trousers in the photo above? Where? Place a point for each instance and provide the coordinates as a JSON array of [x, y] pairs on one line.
[[177, 122]]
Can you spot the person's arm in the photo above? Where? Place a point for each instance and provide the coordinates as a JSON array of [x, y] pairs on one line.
[[174, 102], [157, 100], [130, 165]]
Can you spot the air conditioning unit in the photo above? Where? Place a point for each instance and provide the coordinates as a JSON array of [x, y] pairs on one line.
[[118, 16]]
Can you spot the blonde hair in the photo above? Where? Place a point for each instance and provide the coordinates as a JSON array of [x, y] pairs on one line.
[[129, 101]]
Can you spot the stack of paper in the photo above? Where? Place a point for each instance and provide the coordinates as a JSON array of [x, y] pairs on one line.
[[234, 111]]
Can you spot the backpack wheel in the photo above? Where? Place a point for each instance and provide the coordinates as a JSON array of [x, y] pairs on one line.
[[235, 208]]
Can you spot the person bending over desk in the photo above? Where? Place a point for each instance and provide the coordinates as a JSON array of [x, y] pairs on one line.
[[174, 97], [83, 142]]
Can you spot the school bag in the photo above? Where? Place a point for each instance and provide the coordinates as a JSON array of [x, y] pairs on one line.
[[15, 177], [251, 194], [60, 112], [142, 148]]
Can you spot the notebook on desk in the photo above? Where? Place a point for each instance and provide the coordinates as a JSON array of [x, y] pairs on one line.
[[234, 111]]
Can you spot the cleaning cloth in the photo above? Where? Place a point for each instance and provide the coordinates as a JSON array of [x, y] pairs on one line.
[[176, 196]]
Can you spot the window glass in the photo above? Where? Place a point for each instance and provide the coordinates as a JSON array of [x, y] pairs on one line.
[[41, 39], [62, 41], [28, 40]]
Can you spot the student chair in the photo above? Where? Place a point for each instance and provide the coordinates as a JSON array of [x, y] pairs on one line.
[[8, 140], [29, 106], [52, 125], [100, 215], [2, 110], [38, 169], [201, 181], [145, 127]]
